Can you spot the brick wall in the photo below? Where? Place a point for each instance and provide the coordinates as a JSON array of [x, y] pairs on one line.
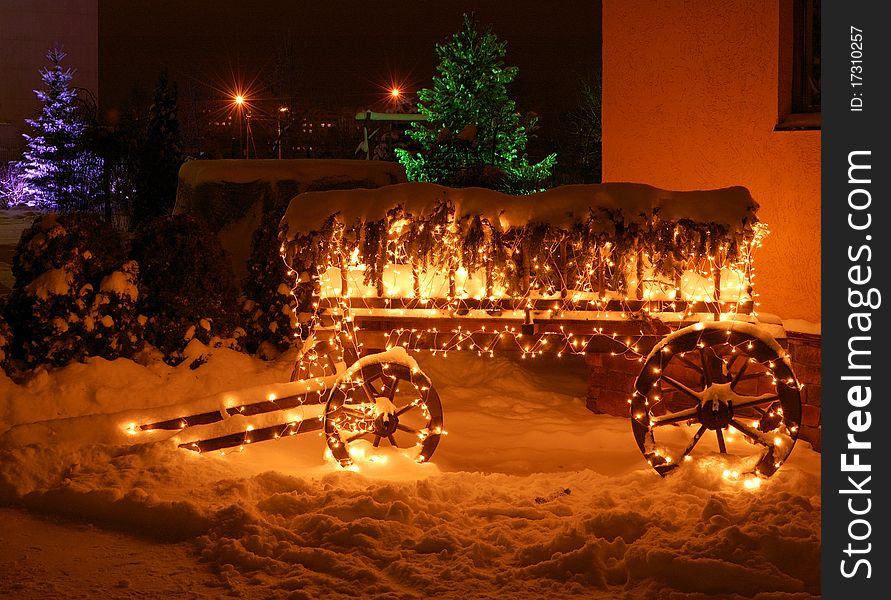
[[805, 351], [611, 383]]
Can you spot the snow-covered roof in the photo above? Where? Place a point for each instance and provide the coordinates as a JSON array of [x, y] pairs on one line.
[[563, 206]]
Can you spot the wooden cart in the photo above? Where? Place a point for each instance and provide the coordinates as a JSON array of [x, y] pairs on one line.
[[658, 277]]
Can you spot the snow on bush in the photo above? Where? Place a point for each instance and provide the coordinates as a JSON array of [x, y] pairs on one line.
[[116, 325], [61, 307], [73, 241], [268, 307], [187, 289]]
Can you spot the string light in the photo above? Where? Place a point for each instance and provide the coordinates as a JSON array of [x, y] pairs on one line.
[[438, 281]]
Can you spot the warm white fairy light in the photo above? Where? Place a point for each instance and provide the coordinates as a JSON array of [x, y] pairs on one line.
[[557, 280]]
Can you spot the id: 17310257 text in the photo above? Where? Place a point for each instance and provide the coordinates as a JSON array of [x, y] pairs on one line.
[[856, 103]]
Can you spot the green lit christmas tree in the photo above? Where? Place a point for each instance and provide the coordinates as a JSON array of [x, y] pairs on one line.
[[473, 135]]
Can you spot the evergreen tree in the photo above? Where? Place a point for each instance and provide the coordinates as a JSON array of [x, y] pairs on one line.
[[581, 154], [160, 157], [269, 309], [474, 134], [57, 171]]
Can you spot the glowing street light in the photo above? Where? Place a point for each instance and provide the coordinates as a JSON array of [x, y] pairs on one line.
[[238, 99], [398, 98]]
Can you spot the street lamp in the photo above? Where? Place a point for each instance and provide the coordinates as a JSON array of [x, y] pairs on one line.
[[396, 97], [249, 136], [278, 140], [239, 106]]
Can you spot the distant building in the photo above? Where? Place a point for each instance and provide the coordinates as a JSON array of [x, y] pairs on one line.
[[712, 94], [270, 130], [28, 28]]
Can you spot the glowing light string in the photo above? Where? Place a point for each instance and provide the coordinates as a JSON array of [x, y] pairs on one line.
[[418, 270]]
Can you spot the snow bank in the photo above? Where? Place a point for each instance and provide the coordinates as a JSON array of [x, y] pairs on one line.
[[529, 496]]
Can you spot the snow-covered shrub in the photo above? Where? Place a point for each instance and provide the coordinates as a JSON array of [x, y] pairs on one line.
[[114, 327], [71, 241], [267, 304], [58, 311], [187, 289], [271, 309]]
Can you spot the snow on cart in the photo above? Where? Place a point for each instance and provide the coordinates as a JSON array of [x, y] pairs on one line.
[[659, 277]]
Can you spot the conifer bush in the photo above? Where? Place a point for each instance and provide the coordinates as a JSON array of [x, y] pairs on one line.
[[186, 286], [268, 307], [272, 311], [116, 328], [63, 306]]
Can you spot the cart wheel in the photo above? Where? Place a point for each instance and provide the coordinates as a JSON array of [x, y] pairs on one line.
[[383, 406], [727, 379]]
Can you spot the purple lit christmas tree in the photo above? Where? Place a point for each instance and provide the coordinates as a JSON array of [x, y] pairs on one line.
[[56, 168]]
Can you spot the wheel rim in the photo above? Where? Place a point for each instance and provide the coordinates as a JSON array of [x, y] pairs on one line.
[[713, 389], [384, 406]]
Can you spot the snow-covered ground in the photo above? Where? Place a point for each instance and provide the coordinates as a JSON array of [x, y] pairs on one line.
[[528, 496]]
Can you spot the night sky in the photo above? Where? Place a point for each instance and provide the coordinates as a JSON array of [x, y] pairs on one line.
[[335, 52]]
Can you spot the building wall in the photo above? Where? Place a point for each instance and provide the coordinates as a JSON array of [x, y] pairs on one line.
[[692, 93], [28, 28]]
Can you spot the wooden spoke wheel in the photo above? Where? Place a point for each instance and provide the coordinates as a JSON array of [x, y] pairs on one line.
[[381, 406], [723, 387]]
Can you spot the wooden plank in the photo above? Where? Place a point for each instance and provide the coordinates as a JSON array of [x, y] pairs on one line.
[[556, 304], [255, 435], [254, 408], [496, 324]]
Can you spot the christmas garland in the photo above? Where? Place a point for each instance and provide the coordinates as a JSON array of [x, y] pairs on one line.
[[594, 252]]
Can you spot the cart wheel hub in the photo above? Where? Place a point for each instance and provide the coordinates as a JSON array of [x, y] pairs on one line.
[[385, 424], [715, 414]]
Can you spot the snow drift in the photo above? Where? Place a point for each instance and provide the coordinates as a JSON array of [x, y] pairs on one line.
[[529, 496]]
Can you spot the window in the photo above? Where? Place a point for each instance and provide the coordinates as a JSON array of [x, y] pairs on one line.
[[806, 57], [799, 65]]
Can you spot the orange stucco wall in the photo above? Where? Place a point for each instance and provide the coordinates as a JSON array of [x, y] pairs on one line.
[[690, 101]]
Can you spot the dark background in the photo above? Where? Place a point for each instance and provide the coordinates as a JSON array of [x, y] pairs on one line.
[[334, 54]]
